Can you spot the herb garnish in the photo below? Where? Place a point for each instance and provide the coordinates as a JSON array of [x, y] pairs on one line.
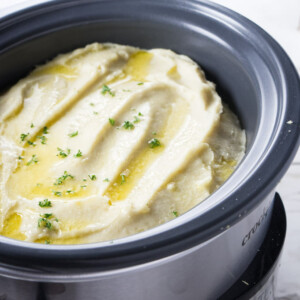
[[31, 143], [47, 242], [128, 125], [123, 178], [43, 139], [112, 121], [73, 134], [106, 89], [32, 125], [56, 193], [136, 119], [106, 180], [78, 154], [23, 136], [175, 213], [20, 158], [45, 130], [61, 179], [140, 83], [45, 222], [93, 177], [45, 203], [33, 160], [62, 153], [153, 143], [140, 114]]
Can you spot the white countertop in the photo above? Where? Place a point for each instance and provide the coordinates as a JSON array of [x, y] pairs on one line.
[[281, 19]]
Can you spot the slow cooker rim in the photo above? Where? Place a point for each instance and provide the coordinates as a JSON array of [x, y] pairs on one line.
[[12, 247]]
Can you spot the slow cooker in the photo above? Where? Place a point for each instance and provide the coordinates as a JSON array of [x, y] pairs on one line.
[[204, 253]]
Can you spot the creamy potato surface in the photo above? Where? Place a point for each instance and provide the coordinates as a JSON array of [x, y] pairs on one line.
[[108, 141]]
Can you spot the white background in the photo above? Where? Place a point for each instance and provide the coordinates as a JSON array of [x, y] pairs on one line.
[[281, 19]]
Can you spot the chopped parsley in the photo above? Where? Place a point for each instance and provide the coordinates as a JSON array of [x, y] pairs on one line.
[[32, 125], [153, 143], [128, 125], [136, 119], [57, 194], [83, 186], [63, 178], [154, 133], [70, 192], [83, 179], [112, 121], [92, 104], [78, 154], [45, 203], [106, 180], [45, 130], [123, 178], [73, 134], [175, 213], [63, 153], [23, 136], [47, 242], [95, 113], [106, 89], [33, 160], [93, 177], [31, 143], [140, 83], [140, 114], [20, 158], [126, 90], [43, 139], [45, 222]]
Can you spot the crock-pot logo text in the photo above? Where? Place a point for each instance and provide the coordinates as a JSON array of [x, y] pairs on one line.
[[255, 227]]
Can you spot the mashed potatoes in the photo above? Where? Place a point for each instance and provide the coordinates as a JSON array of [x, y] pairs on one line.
[[108, 141]]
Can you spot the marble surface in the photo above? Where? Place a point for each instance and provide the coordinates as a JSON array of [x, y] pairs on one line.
[[281, 19]]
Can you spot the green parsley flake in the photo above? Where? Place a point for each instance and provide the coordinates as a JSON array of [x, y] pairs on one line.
[[153, 143], [43, 139], [32, 125], [45, 222], [92, 104], [57, 194], [123, 178], [70, 192], [45, 203], [106, 89], [73, 134], [128, 125], [45, 130], [20, 158], [63, 178], [112, 121], [106, 180], [47, 242], [175, 213], [95, 113], [93, 177], [23, 136], [78, 154], [83, 186], [63, 153], [140, 114], [126, 90], [136, 119], [33, 160], [140, 83], [31, 143]]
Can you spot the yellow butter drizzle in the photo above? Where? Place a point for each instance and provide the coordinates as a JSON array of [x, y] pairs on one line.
[[11, 227]]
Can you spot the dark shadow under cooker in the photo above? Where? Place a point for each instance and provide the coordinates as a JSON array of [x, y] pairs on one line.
[[205, 251]]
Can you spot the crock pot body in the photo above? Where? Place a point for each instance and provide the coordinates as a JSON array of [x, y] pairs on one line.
[[203, 252]]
